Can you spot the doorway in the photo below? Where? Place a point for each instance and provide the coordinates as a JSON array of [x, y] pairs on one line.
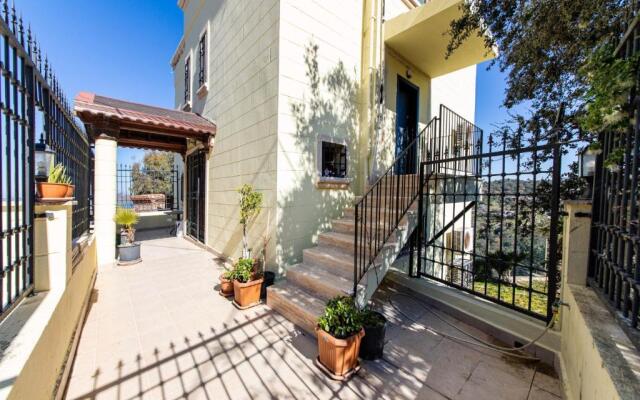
[[196, 173], [406, 126]]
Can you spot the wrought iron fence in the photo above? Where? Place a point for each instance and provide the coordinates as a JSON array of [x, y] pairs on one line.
[[148, 189], [34, 109], [494, 232], [387, 201], [614, 263]]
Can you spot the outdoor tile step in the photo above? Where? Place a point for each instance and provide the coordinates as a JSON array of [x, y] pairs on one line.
[[349, 212], [342, 241], [331, 258], [348, 225], [297, 305], [317, 280]]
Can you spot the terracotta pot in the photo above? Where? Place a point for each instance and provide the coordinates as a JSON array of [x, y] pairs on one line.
[[339, 356], [48, 190], [247, 294], [70, 190], [226, 286]]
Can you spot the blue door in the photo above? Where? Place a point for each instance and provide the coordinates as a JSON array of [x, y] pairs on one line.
[[406, 127]]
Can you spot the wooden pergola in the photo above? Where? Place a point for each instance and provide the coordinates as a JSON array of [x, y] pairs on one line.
[[142, 126]]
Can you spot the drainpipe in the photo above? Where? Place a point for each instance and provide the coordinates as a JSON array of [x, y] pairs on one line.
[[376, 57]]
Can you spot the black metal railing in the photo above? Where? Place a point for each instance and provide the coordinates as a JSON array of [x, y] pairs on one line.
[[455, 137], [379, 212], [614, 262], [493, 233], [34, 109], [147, 189]]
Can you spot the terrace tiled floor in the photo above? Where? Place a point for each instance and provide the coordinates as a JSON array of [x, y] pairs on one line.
[[158, 330]]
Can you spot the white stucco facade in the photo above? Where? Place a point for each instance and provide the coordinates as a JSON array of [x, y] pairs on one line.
[[282, 76]]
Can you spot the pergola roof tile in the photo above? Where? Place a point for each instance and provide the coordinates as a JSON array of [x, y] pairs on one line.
[[120, 110]]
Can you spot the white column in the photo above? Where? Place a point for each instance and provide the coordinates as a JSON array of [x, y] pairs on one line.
[[105, 198]]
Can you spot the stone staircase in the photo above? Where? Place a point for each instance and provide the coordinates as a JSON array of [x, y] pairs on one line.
[[326, 270]]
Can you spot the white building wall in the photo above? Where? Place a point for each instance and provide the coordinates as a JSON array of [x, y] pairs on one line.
[[335, 27], [456, 90], [242, 100]]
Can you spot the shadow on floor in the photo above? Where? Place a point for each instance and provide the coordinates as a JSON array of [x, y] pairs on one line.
[[235, 361]]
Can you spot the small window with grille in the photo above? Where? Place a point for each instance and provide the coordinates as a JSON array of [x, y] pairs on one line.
[[202, 60], [334, 160], [187, 80]]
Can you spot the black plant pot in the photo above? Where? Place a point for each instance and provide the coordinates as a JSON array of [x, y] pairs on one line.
[[372, 345], [269, 278], [129, 253]]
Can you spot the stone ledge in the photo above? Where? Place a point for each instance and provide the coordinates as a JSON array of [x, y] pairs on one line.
[[620, 358]]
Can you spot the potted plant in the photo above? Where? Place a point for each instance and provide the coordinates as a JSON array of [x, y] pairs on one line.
[[339, 333], [246, 283], [128, 249], [57, 186], [375, 326], [250, 205], [269, 277], [226, 282]]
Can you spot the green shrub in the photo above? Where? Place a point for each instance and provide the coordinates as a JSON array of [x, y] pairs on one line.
[[500, 261], [243, 270], [341, 318], [372, 319]]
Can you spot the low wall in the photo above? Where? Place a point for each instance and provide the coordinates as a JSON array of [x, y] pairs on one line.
[[44, 329], [597, 359]]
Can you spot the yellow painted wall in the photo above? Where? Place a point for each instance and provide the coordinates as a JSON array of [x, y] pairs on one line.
[[384, 143], [39, 376]]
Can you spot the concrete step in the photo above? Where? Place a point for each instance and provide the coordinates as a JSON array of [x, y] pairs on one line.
[[317, 280], [348, 226], [349, 212], [332, 259], [345, 242], [295, 304], [341, 241]]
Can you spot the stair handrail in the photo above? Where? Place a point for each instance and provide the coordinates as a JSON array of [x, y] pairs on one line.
[[409, 190]]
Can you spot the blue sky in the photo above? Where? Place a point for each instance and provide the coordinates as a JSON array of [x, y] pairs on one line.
[[122, 48]]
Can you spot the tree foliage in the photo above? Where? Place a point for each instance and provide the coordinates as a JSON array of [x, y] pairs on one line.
[[545, 47], [154, 176], [250, 205]]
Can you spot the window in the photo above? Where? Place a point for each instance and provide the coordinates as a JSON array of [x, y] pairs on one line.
[[202, 60], [334, 160], [187, 80]]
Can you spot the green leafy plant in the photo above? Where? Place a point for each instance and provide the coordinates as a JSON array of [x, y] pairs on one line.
[[500, 261], [341, 318], [243, 271], [250, 205], [615, 158], [372, 319], [610, 80], [57, 174], [127, 218]]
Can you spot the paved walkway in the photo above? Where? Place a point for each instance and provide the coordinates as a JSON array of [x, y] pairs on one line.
[[158, 330]]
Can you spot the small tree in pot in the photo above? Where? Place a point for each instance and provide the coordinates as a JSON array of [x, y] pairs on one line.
[[250, 205], [339, 334], [247, 274], [128, 249]]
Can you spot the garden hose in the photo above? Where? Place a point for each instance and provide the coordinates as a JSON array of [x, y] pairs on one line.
[[477, 342]]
